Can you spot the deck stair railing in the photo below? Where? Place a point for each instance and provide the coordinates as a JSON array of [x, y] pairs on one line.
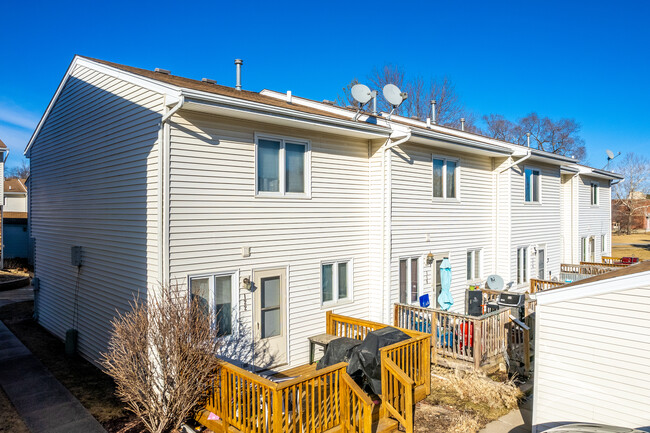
[[544, 285]]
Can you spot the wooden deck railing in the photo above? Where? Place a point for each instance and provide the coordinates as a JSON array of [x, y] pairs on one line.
[[474, 339], [519, 344], [397, 390], [322, 399], [606, 265], [544, 285], [356, 407], [592, 269]]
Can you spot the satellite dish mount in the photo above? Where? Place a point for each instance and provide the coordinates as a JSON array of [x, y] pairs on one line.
[[610, 157]]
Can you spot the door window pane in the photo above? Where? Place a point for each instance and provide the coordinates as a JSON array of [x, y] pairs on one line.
[[327, 283], [438, 282], [451, 179], [223, 304], [270, 292], [437, 177], [295, 167], [541, 261], [268, 165], [343, 280], [200, 293], [414, 280], [271, 322], [403, 277]]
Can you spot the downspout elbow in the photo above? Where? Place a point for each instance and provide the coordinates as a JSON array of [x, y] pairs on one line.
[[520, 160], [173, 111], [402, 140]]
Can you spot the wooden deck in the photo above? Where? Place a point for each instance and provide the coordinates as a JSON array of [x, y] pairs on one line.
[[306, 400]]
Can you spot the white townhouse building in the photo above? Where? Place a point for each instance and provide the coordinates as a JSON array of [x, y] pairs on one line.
[[160, 178]]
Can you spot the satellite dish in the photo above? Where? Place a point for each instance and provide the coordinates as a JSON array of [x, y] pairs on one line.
[[361, 93], [610, 154], [394, 95], [495, 282]]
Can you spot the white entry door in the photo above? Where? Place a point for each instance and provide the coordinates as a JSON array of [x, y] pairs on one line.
[[270, 317]]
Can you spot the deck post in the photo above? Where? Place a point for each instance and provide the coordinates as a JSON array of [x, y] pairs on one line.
[[477, 347], [224, 391], [395, 315], [527, 351], [328, 322], [434, 338], [277, 411]]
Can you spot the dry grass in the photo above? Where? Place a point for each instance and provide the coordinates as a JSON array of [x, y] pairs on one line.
[[464, 402], [640, 249], [10, 421]]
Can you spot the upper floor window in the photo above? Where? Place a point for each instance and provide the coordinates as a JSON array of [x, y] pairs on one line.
[[533, 185], [281, 167], [445, 177], [594, 194], [336, 281]]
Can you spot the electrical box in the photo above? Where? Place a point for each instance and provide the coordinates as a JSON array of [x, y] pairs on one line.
[[75, 256]]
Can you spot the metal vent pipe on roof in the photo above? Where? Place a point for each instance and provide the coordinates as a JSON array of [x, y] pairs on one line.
[[238, 63], [528, 138], [462, 123], [433, 111]]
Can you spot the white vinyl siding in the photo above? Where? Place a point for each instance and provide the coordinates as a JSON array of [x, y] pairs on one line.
[[591, 359], [594, 220], [93, 183], [214, 213], [446, 228]]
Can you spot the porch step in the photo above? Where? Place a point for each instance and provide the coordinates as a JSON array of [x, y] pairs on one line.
[[385, 425]]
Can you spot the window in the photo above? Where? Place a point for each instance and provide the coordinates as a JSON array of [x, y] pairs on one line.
[[522, 265], [583, 249], [409, 280], [541, 263], [336, 281], [215, 294], [473, 265], [282, 167], [445, 177], [532, 185], [594, 194], [603, 240], [437, 262]]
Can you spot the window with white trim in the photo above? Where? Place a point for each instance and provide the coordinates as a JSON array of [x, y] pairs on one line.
[[217, 296], [336, 281], [281, 167], [583, 249], [532, 185], [522, 265], [594, 194], [473, 265], [445, 177], [409, 280], [603, 240]]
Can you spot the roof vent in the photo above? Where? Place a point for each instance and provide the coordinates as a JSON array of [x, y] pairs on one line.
[[209, 81], [162, 71], [328, 102], [462, 123]]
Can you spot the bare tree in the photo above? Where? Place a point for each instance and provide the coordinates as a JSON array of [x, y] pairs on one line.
[[500, 128], [449, 109], [20, 171], [630, 193], [162, 355]]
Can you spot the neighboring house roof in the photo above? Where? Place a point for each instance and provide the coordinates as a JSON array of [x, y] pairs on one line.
[[2, 145], [17, 215], [625, 278], [14, 185]]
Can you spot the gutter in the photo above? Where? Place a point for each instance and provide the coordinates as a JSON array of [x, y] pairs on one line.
[[164, 186], [530, 153]]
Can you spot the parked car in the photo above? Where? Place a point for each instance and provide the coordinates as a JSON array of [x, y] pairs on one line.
[[591, 428]]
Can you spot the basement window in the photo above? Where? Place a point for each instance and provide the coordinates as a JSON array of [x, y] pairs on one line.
[[281, 167]]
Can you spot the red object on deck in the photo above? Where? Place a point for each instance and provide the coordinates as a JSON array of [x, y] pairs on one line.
[[629, 260], [467, 334]]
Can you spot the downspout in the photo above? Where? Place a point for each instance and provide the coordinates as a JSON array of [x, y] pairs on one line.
[[164, 187], [520, 160], [386, 225]]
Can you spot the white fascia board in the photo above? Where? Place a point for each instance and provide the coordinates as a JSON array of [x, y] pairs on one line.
[[234, 107], [601, 174], [551, 158], [438, 139], [601, 287], [172, 92]]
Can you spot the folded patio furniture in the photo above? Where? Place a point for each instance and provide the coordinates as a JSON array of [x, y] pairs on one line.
[[365, 362], [338, 350]]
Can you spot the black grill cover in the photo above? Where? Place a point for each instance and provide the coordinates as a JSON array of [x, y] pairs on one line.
[[338, 350], [364, 366]]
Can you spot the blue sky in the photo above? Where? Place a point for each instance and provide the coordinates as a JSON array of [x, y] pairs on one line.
[[585, 60]]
